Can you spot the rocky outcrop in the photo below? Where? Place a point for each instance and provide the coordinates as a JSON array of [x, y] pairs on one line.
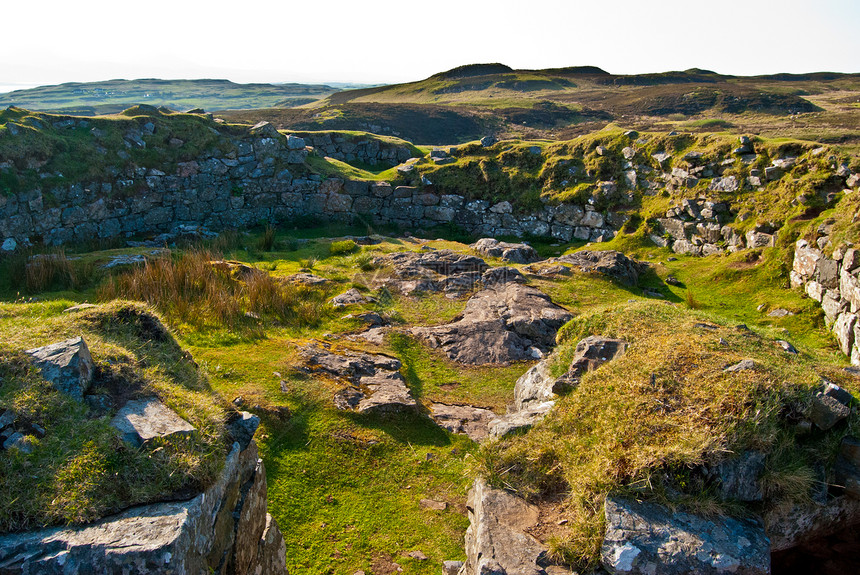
[[497, 541], [367, 149], [538, 385], [511, 322], [648, 538], [835, 283], [607, 262], [699, 227], [513, 253], [432, 271], [224, 530], [536, 391], [68, 365], [372, 383]]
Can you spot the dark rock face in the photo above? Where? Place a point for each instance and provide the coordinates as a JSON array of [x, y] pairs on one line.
[[514, 253], [224, 530], [607, 262], [68, 365], [373, 383], [497, 542], [647, 538], [508, 323]]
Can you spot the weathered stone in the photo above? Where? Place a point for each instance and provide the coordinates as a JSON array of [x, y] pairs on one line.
[[143, 420], [727, 184], [350, 297], [373, 382], [503, 275], [742, 365], [463, 419], [514, 253], [647, 538], [739, 477], [521, 419], [826, 411], [500, 324], [790, 525], [242, 426], [18, 441], [497, 541], [538, 385], [843, 328], [610, 263], [67, 365], [433, 504], [451, 567]]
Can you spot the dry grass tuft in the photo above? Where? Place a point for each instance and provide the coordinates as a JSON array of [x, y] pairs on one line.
[[190, 290]]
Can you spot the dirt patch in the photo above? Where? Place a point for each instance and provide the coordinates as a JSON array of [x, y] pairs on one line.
[[383, 565]]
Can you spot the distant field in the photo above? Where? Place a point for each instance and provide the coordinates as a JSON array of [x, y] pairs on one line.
[[90, 98]]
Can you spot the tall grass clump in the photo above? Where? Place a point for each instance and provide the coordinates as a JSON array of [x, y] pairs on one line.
[[200, 289], [342, 247], [267, 240], [53, 270]]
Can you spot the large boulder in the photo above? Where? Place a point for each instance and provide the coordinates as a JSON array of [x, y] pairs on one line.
[[68, 365], [607, 262], [514, 253], [648, 538], [432, 271], [225, 529], [497, 541], [501, 324], [371, 382]]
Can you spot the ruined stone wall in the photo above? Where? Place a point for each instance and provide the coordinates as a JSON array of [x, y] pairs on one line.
[[835, 283], [255, 183], [371, 151], [224, 530]]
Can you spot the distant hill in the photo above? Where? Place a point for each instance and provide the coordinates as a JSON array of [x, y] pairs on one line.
[[112, 96]]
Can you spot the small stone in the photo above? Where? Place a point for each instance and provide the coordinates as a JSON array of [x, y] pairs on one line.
[[780, 312], [18, 441], [743, 365], [79, 307], [350, 297], [417, 555], [451, 567], [838, 393], [9, 245], [433, 504], [787, 347]]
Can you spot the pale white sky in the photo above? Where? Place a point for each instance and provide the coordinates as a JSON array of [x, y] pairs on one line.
[[387, 41]]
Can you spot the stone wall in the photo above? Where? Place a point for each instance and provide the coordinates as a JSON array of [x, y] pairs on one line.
[[835, 283], [371, 151], [258, 180], [224, 530]]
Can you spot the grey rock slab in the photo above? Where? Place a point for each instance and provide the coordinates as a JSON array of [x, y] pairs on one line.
[[18, 441], [521, 419], [502, 275], [497, 541], [143, 420], [743, 365], [647, 538], [739, 477], [501, 324], [826, 411], [791, 525], [68, 365], [463, 419], [451, 567], [372, 382], [350, 297]]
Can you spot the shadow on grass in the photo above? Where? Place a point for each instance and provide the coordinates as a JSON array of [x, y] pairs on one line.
[[416, 429]]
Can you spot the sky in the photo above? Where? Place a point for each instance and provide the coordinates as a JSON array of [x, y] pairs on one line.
[[387, 41]]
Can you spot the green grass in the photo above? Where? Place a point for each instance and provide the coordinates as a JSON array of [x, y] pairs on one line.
[[81, 470]]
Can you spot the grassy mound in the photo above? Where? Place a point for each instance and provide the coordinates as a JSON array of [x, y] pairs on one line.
[[81, 470], [648, 423]]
